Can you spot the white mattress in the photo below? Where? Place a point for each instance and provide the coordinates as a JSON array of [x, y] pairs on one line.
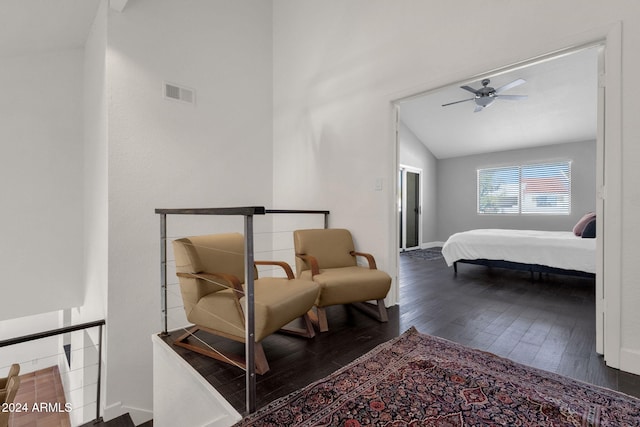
[[559, 249]]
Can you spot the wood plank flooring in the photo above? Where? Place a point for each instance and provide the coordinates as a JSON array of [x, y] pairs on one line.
[[548, 324]]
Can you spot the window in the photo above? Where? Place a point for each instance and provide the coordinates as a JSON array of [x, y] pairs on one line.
[[527, 189]]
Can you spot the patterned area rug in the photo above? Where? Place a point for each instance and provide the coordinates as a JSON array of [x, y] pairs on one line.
[[429, 254], [420, 380]]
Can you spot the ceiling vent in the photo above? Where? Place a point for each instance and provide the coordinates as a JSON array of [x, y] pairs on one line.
[[179, 93]]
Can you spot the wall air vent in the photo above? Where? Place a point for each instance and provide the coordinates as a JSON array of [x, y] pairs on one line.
[[179, 93]]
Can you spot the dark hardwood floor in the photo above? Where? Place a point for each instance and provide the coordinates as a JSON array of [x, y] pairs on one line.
[[548, 324], [121, 421]]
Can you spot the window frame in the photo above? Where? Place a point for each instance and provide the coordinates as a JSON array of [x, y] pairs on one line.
[[509, 172]]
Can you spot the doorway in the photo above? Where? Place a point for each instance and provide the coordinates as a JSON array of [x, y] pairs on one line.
[[599, 136], [410, 221]]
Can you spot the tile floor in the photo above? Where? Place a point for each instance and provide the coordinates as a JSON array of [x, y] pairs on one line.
[[41, 387]]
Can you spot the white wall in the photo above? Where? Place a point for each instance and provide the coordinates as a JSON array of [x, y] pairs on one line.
[[95, 170], [166, 154], [41, 174], [183, 397], [31, 355], [338, 65], [332, 116], [95, 272]]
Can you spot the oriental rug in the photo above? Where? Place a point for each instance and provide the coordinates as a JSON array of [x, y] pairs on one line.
[[428, 254], [421, 380]]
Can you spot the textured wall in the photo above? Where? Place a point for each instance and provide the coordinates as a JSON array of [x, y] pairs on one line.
[[41, 170]]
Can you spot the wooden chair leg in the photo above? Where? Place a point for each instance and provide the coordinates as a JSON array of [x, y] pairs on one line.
[[308, 324], [319, 319], [380, 314], [382, 311], [260, 359], [306, 331], [322, 319]]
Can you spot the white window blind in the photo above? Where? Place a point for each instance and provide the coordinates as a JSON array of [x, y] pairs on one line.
[[527, 189]]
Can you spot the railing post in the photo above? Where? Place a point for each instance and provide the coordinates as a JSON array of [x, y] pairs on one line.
[[62, 331], [99, 373], [248, 213], [163, 273], [250, 339]]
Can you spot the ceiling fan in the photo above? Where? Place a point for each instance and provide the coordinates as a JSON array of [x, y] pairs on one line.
[[485, 96]]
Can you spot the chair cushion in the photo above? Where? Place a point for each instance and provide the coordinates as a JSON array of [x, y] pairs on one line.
[[218, 311], [207, 253], [212, 252], [277, 301], [349, 284], [331, 247]]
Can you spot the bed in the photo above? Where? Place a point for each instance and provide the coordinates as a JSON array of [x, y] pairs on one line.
[[557, 252]]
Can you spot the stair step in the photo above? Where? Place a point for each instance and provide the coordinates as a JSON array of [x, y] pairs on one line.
[[121, 421]]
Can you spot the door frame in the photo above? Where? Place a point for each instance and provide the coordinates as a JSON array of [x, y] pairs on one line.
[[403, 169], [608, 187]]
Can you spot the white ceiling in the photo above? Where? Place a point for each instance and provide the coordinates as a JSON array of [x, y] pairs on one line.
[[561, 107], [37, 26]]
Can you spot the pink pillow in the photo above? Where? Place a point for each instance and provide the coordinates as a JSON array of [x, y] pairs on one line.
[[580, 225]]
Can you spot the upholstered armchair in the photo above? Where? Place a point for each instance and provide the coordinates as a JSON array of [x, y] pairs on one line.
[[14, 371], [328, 257], [210, 269], [8, 394]]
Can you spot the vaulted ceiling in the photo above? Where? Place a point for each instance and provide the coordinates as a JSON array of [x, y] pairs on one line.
[[561, 106]]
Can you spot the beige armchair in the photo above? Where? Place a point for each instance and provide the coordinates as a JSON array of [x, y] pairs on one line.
[[14, 371], [210, 269], [328, 257]]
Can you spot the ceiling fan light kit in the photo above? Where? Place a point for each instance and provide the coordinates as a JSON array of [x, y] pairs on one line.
[[486, 95]]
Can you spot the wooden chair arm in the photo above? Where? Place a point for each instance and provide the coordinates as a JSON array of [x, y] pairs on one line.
[[312, 261], [232, 281], [369, 257], [284, 265]]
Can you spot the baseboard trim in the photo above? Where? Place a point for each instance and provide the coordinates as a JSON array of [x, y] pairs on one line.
[[428, 245], [112, 411], [425, 245]]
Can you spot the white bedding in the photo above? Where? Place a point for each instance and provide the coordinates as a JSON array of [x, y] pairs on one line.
[[559, 249]]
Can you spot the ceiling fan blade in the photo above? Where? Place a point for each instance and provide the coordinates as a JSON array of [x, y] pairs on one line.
[[470, 89], [508, 86], [457, 102], [512, 97]]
